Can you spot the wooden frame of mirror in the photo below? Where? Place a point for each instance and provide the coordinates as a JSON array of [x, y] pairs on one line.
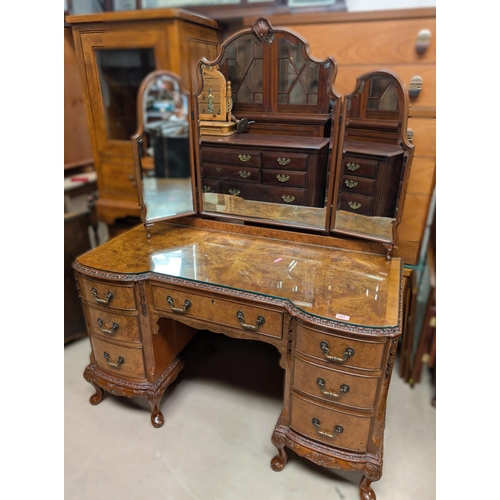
[[365, 130], [163, 149], [289, 138], [374, 159]]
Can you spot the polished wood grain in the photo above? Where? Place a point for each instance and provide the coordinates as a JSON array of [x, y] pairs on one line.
[[281, 287]]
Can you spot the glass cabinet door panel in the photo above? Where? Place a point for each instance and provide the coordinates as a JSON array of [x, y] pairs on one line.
[[121, 72]]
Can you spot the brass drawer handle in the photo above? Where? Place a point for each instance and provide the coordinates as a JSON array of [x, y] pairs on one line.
[[353, 166], [344, 388], [282, 177], [244, 174], [234, 192], [347, 353], [120, 360], [114, 327], [287, 198], [354, 205], [206, 189], [107, 300], [241, 317], [350, 183], [337, 430], [283, 161], [244, 158], [185, 307]]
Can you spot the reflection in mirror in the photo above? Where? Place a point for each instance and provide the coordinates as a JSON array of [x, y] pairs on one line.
[[162, 149], [266, 156], [374, 159]]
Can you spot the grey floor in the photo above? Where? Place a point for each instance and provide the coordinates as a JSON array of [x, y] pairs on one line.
[[215, 443]]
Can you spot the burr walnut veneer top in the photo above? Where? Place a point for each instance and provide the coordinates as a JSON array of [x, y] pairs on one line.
[[337, 284]]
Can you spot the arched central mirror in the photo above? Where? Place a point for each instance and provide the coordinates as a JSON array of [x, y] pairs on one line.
[[374, 159], [266, 117], [162, 149]]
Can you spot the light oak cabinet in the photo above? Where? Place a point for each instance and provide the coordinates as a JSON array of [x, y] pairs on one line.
[[115, 51]]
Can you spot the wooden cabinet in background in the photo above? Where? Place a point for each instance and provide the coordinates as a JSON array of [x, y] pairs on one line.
[[115, 51]]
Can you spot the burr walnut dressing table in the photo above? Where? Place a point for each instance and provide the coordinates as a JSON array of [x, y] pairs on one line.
[[322, 284]]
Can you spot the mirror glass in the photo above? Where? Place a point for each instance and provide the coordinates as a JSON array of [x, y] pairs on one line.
[[162, 148], [266, 111], [373, 159]]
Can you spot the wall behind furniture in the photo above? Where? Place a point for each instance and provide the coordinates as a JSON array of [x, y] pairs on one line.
[[89, 6]]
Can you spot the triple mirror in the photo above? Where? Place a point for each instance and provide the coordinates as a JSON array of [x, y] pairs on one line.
[[271, 142]]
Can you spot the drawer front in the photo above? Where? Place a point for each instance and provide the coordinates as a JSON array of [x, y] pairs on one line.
[[335, 386], [261, 192], [259, 320], [249, 158], [352, 184], [112, 325], [360, 167], [211, 185], [287, 161], [324, 346], [356, 203], [247, 174], [284, 178], [119, 360], [320, 423], [104, 294]]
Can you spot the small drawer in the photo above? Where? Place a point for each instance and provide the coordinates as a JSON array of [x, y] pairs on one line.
[[356, 203], [284, 178], [334, 427], [210, 185], [360, 167], [351, 184], [260, 320], [248, 174], [287, 161], [260, 192], [335, 386], [119, 360], [235, 156], [112, 325], [339, 351], [104, 294]]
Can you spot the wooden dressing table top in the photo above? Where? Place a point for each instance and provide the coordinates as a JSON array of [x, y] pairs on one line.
[[344, 286]]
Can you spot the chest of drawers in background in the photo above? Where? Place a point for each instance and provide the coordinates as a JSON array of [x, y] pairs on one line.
[[385, 39], [269, 168]]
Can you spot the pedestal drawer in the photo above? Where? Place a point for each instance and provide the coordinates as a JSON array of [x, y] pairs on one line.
[[335, 386], [330, 426], [119, 360], [113, 325], [105, 294], [338, 350]]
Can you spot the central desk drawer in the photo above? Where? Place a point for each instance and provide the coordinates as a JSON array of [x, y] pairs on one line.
[[253, 318]]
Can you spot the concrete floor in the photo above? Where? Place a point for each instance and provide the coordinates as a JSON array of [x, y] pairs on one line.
[[215, 443]]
